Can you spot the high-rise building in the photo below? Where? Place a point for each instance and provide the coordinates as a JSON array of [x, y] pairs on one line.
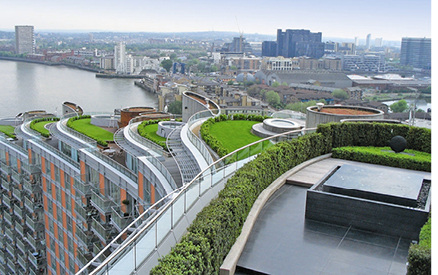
[[123, 63], [378, 42], [269, 48], [368, 42], [416, 52], [356, 41], [24, 40], [294, 43]]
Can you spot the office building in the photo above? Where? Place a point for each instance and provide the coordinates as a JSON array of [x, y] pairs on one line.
[[295, 43], [368, 41], [24, 40], [416, 52]]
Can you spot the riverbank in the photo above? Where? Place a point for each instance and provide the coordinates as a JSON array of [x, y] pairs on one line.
[[130, 76], [49, 63]]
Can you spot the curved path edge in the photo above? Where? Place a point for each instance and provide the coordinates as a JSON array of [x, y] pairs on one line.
[[228, 266]]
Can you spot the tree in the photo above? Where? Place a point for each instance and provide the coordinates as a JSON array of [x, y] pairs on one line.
[[175, 107], [399, 106], [272, 98], [275, 84], [230, 82], [340, 94], [167, 64]]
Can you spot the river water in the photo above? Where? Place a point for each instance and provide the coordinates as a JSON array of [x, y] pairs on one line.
[[28, 86]]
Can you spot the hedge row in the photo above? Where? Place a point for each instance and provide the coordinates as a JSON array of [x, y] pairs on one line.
[[70, 124], [215, 144], [216, 227], [142, 131], [420, 257], [44, 134], [419, 161], [375, 134]]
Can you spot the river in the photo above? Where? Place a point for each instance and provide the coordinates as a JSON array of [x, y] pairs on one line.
[[28, 86]]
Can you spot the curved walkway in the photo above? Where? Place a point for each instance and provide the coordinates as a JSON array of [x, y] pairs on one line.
[[276, 226]]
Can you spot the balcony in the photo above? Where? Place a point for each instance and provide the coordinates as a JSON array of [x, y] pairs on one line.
[[35, 260], [11, 250], [7, 201], [32, 206], [34, 243], [34, 224], [119, 219], [16, 177], [22, 261], [17, 193], [5, 169], [22, 246], [82, 256], [81, 212], [31, 168], [103, 230], [9, 235], [31, 186], [82, 187], [19, 212], [83, 236], [8, 218], [20, 230], [6, 185], [102, 203], [11, 265]]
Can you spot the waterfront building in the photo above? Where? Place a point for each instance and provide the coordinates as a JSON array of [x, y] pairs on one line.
[[416, 52], [123, 63], [65, 198], [24, 40]]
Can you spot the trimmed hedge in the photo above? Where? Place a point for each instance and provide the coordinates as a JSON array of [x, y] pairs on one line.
[[420, 257], [216, 227], [375, 134], [212, 141], [376, 155], [42, 132]]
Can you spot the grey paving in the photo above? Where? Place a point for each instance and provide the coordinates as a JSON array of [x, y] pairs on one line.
[[284, 242]]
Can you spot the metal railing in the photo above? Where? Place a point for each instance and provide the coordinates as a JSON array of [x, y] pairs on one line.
[[132, 253]]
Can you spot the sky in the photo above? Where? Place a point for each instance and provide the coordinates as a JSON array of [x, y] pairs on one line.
[[387, 19]]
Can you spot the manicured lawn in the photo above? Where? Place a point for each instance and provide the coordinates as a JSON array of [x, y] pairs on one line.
[[8, 130], [150, 132], [85, 127], [40, 127], [234, 134]]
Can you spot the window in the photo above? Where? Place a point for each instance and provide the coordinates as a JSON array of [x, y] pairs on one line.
[[67, 182], [57, 178]]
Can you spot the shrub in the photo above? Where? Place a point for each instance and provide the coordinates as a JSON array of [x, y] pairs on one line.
[[420, 258], [144, 131], [100, 141], [219, 224], [419, 161]]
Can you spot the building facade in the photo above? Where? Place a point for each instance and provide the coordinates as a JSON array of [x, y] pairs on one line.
[[416, 52], [24, 40], [294, 43]]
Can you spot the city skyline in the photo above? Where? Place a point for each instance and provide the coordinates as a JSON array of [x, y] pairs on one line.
[[390, 19]]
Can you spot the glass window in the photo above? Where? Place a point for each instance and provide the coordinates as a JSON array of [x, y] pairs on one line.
[[67, 181], [57, 178], [48, 169]]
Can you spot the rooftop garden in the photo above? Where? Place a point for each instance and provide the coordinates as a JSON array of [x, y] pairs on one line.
[[83, 125], [217, 226], [39, 125], [148, 129], [224, 134], [7, 130]]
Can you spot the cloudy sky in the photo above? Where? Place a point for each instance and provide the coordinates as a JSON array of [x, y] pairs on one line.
[[389, 19]]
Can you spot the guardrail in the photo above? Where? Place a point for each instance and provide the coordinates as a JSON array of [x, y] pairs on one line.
[[196, 140], [132, 254]]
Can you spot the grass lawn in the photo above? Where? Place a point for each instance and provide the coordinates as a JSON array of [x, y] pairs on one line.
[[150, 132], [234, 134], [40, 127], [85, 127], [8, 130]]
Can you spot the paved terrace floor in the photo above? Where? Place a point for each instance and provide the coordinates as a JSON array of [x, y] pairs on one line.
[[284, 242]]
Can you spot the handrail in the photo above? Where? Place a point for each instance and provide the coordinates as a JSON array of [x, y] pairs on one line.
[[183, 192], [196, 140]]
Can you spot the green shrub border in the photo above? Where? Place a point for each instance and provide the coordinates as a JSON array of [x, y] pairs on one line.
[[33, 122], [141, 131], [216, 227], [420, 257], [212, 141], [399, 160], [70, 124]]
